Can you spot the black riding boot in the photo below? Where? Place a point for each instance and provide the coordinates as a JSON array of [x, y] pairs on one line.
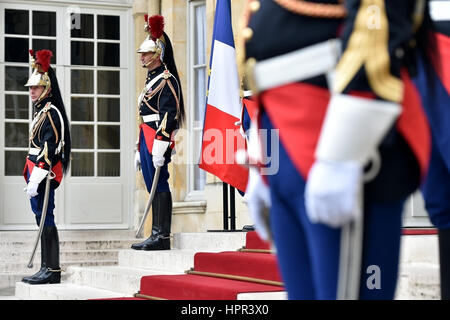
[[52, 273], [43, 262], [444, 262], [162, 220]]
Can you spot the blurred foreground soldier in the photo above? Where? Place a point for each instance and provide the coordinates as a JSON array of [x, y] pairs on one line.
[[49, 154], [162, 112], [334, 78], [436, 101]]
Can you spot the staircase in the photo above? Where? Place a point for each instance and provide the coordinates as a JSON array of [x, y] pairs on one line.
[[100, 265], [124, 277], [77, 248]]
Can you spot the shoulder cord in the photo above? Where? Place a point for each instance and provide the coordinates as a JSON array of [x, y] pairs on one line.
[[177, 96], [38, 122]]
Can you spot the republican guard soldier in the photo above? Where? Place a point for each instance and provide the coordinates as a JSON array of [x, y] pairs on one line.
[[49, 154], [162, 112], [334, 78]]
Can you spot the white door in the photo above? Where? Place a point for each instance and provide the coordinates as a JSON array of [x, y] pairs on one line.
[[91, 59]]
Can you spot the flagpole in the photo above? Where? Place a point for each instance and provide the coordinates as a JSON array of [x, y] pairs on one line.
[[232, 209], [225, 205]]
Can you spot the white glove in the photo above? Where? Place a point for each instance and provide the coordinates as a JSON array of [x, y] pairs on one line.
[[37, 175], [332, 191], [158, 161], [137, 161], [32, 189], [257, 196], [158, 150]]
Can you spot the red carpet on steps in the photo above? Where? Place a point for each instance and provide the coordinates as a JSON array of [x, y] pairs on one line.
[[259, 265], [246, 264], [253, 241], [194, 287]]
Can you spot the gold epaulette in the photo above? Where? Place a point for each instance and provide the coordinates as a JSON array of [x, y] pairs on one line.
[[162, 127], [368, 47], [44, 154]]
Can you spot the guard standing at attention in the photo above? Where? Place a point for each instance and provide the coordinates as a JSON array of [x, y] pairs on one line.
[[334, 78], [162, 112], [49, 154]]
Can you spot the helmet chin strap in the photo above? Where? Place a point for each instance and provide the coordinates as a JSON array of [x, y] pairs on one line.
[[153, 58], [43, 95]]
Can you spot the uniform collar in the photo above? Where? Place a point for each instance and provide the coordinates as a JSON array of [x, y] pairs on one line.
[[153, 73], [42, 103]]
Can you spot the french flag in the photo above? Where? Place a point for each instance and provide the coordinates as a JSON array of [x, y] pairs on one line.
[[221, 136]]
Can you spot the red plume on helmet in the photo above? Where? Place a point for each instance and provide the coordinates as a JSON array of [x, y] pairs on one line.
[[43, 59], [156, 25]]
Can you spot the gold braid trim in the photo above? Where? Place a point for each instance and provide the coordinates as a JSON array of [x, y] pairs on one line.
[[37, 130], [368, 46], [311, 9], [176, 98], [53, 126], [157, 89], [44, 154], [149, 106], [162, 127]]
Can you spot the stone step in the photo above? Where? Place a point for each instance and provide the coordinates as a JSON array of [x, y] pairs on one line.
[[418, 281], [9, 279], [217, 241], [70, 291], [174, 260], [113, 278], [70, 235], [65, 255], [419, 248], [61, 291], [184, 245], [27, 245], [21, 267]]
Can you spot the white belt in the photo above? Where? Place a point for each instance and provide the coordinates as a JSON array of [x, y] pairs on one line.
[[150, 117], [439, 10], [298, 65], [34, 151]]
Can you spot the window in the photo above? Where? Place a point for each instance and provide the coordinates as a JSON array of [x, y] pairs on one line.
[[92, 47], [23, 29], [197, 92], [95, 96]]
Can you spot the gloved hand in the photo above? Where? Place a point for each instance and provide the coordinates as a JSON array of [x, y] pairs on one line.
[[158, 150], [158, 161], [137, 161], [257, 197], [32, 189], [37, 175], [332, 192]]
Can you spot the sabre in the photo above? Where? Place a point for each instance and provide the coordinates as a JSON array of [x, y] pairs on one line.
[[350, 259], [50, 176], [150, 200]]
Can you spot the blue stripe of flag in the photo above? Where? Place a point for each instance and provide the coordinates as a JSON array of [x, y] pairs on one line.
[[223, 31]]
